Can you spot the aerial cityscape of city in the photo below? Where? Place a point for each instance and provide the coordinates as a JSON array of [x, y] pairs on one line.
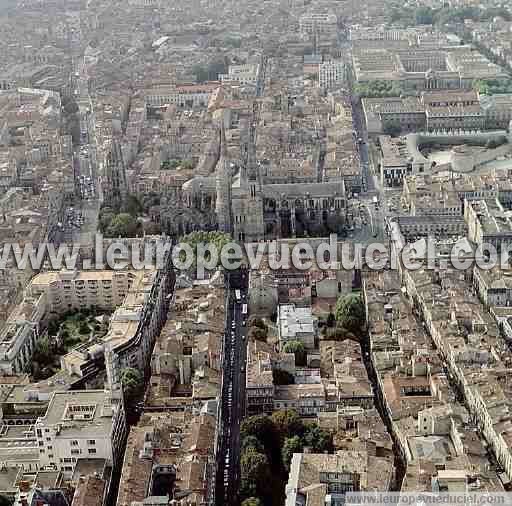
[[255, 253]]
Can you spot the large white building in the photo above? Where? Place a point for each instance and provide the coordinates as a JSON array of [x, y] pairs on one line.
[[140, 299], [69, 290], [20, 333], [183, 96], [79, 425], [242, 74], [296, 324]]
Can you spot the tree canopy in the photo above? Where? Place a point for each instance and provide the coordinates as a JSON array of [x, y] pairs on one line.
[[282, 377], [350, 313], [291, 445], [268, 443], [252, 501], [297, 348], [493, 86], [132, 381], [378, 89], [217, 239], [398, 14]]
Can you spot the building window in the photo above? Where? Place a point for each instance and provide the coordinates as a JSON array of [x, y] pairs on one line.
[[75, 452], [74, 442], [91, 441], [92, 450]]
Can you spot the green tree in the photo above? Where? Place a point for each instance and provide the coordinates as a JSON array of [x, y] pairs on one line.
[[84, 327], [132, 381], [132, 206], [255, 321], [216, 240], [252, 442], [257, 334], [234, 42], [252, 501], [122, 225], [106, 217], [254, 467], [287, 423], [297, 348], [319, 440], [424, 16], [282, 377], [350, 313], [43, 352], [262, 428], [291, 445], [200, 73]]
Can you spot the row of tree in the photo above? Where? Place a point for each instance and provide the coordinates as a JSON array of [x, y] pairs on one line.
[[378, 89], [493, 86], [217, 240], [174, 164], [268, 444], [404, 16]]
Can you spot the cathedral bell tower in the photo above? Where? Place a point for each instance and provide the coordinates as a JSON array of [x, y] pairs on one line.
[[223, 187]]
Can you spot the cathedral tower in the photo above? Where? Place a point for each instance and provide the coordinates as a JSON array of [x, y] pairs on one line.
[[116, 187], [223, 186]]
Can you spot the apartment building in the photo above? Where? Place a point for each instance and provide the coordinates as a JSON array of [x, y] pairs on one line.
[[246, 74], [413, 227], [75, 290], [19, 335], [185, 96], [81, 425]]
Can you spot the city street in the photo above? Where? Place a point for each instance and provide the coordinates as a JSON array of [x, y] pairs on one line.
[[233, 393]]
